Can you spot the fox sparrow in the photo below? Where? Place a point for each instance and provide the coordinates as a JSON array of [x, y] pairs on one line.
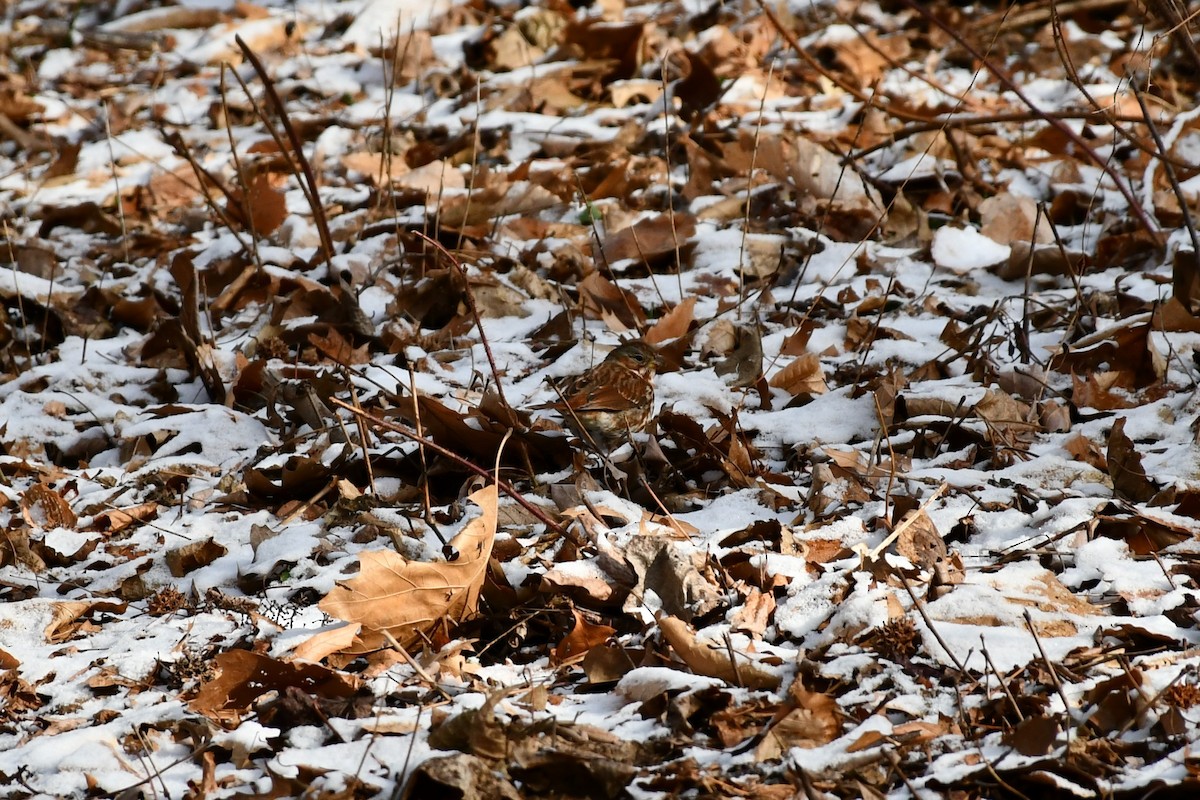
[[616, 397]]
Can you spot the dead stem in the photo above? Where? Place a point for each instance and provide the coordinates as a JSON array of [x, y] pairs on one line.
[[470, 298], [1062, 127], [504, 485], [309, 184]]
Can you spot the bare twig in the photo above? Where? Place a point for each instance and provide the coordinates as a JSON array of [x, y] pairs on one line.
[[904, 525], [928, 622], [247, 211], [823, 71], [987, 659], [667, 108], [1168, 169], [954, 121], [416, 665], [504, 485], [191, 755], [470, 297], [364, 438], [1180, 36], [1058, 686], [1059, 125], [309, 184]]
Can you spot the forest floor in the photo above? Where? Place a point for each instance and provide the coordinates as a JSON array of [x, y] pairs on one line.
[[290, 288]]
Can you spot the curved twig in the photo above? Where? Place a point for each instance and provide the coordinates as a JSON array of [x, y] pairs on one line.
[[483, 472]]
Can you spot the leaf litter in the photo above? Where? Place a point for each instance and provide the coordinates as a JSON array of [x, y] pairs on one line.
[[918, 512]]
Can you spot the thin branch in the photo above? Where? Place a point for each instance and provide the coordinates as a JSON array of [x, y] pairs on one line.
[[928, 622], [309, 184], [1066, 130], [503, 485], [487, 347], [1168, 169]]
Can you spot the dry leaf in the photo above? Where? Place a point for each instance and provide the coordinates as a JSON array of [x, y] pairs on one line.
[[338, 349], [1006, 218], [1125, 467], [373, 165], [183, 560], [1002, 411], [460, 775], [607, 663], [807, 719], [242, 677], [487, 203], [673, 324], [603, 299], [653, 242], [1174, 316], [920, 543], [407, 598], [1034, 736], [1143, 533], [1084, 449], [42, 507], [580, 641], [1126, 348], [574, 577], [266, 206], [754, 614], [15, 549], [669, 571], [802, 376], [712, 659], [68, 613], [746, 355], [8, 661], [434, 179], [325, 643], [115, 520]]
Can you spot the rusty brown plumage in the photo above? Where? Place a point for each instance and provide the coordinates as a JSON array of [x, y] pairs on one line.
[[615, 398]]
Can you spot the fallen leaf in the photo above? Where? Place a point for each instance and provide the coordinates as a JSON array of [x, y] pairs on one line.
[[670, 572], [1084, 449], [8, 661], [1126, 348], [193, 556], [655, 242], [242, 677], [1034, 736], [582, 638], [262, 208], [44, 508], [326, 642], [803, 376], [1125, 467], [806, 719], [408, 598], [603, 299], [114, 520], [69, 612], [1143, 533], [673, 324], [920, 542], [712, 659]]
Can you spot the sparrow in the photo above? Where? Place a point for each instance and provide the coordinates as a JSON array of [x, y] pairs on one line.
[[614, 399]]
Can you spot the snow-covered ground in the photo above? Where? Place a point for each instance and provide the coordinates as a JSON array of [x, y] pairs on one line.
[[918, 514]]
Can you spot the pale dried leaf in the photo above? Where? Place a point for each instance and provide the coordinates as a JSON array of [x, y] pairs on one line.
[[406, 598], [325, 643], [674, 323], [802, 376], [713, 659]]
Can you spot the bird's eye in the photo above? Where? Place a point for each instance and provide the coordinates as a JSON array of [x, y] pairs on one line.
[[638, 356]]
